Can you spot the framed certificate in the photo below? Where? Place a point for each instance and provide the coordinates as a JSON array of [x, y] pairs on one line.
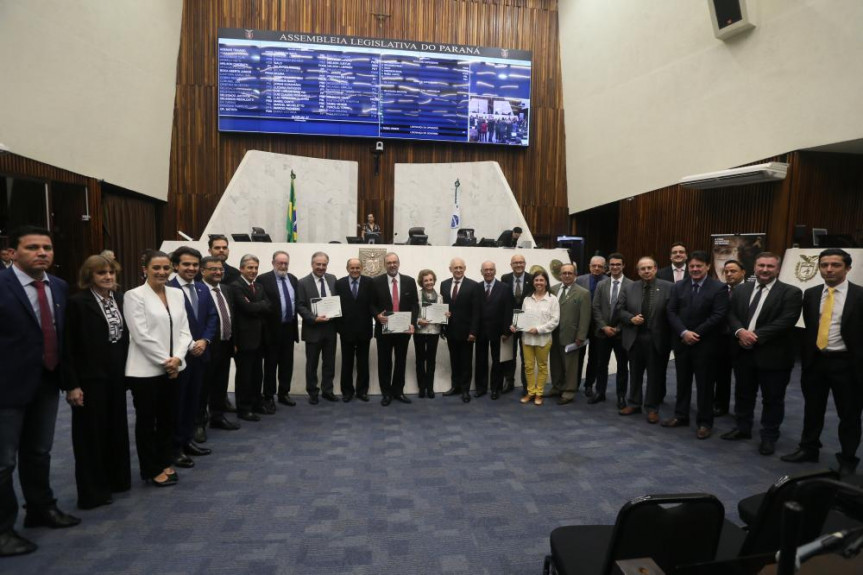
[[435, 312], [398, 322], [330, 306], [525, 320]]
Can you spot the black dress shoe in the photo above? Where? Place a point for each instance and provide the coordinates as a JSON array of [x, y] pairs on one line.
[[588, 391], [222, 422], [192, 448], [736, 435], [269, 406], [249, 416], [595, 399], [767, 447], [479, 393], [285, 399], [386, 400], [800, 456], [363, 397], [229, 408], [347, 397], [313, 399], [51, 517], [403, 398], [329, 396], [422, 393], [431, 394], [451, 391], [183, 460], [508, 387], [465, 397], [719, 411], [621, 402], [13, 544], [200, 434], [260, 409], [495, 394]]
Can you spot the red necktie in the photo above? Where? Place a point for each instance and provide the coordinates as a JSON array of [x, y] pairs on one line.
[[49, 333], [252, 287], [395, 295], [455, 290]]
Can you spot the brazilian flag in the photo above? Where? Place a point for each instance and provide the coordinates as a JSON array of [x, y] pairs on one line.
[[292, 212]]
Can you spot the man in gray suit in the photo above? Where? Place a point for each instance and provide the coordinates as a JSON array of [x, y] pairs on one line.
[[607, 332], [319, 332], [573, 328], [597, 269], [646, 337]]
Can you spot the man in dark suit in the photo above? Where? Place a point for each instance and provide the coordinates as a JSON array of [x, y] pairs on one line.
[[6, 258], [520, 283], [641, 308], [393, 292], [319, 331], [762, 316], [677, 270], [218, 248], [734, 274], [203, 323], [832, 360], [281, 331], [495, 319], [509, 238], [607, 332], [597, 268], [464, 297], [355, 327], [575, 322], [696, 311], [250, 310], [216, 375], [32, 306]]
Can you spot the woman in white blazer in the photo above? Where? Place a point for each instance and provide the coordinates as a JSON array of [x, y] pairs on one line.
[[159, 338]]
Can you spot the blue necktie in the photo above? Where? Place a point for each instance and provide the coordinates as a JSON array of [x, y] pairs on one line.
[[323, 288], [289, 307], [354, 288]]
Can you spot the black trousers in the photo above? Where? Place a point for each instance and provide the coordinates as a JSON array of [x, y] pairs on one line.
[[484, 346], [461, 361], [249, 375], [605, 346], [832, 373], [644, 357], [214, 392], [154, 422], [324, 350], [100, 440], [772, 383], [392, 378], [695, 361], [722, 377], [425, 349], [279, 360], [509, 366], [592, 353], [187, 400], [354, 351]]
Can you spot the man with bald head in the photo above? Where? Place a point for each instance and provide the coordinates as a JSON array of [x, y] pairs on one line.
[[597, 269], [464, 298], [495, 319], [575, 320], [520, 285], [355, 330]]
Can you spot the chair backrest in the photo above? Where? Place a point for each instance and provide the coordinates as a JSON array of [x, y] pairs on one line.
[[418, 231], [671, 529], [764, 533]]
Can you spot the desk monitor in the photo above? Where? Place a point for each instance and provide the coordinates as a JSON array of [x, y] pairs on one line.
[[241, 237], [265, 238], [354, 239], [373, 237]]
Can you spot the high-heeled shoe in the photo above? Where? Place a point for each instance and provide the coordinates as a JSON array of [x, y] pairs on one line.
[[169, 481], [526, 399]]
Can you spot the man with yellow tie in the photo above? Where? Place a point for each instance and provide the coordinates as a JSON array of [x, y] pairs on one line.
[[832, 360]]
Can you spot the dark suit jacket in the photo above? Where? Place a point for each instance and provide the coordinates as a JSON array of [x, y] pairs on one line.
[[249, 312], [774, 326], [465, 310], [382, 300], [88, 349], [704, 314], [230, 275], [21, 338], [273, 321], [603, 314], [506, 240], [851, 325], [357, 321], [668, 275], [307, 290], [629, 305], [496, 310], [526, 288], [206, 324]]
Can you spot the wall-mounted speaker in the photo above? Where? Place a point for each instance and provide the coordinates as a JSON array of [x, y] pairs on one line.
[[730, 17]]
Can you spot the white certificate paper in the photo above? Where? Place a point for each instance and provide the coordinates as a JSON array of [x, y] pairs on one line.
[[525, 320], [330, 306], [398, 322], [435, 312]]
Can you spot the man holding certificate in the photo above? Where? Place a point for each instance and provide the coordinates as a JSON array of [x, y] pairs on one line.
[[495, 318], [319, 332], [396, 305], [464, 298], [355, 330]]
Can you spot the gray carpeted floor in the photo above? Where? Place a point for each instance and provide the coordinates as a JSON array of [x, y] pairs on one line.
[[435, 487]]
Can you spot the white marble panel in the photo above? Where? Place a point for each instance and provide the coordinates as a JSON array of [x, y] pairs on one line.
[[258, 194], [424, 197]]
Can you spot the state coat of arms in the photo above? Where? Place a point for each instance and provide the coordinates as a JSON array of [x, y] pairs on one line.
[[807, 268], [373, 261]]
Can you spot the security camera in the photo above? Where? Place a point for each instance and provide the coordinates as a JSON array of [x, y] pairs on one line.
[[379, 146]]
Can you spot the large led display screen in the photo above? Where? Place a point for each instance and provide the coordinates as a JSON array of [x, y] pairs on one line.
[[292, 83]]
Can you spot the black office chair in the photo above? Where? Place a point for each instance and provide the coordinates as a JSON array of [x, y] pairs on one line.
[[749, 507], [671, 529], [417, 237]]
